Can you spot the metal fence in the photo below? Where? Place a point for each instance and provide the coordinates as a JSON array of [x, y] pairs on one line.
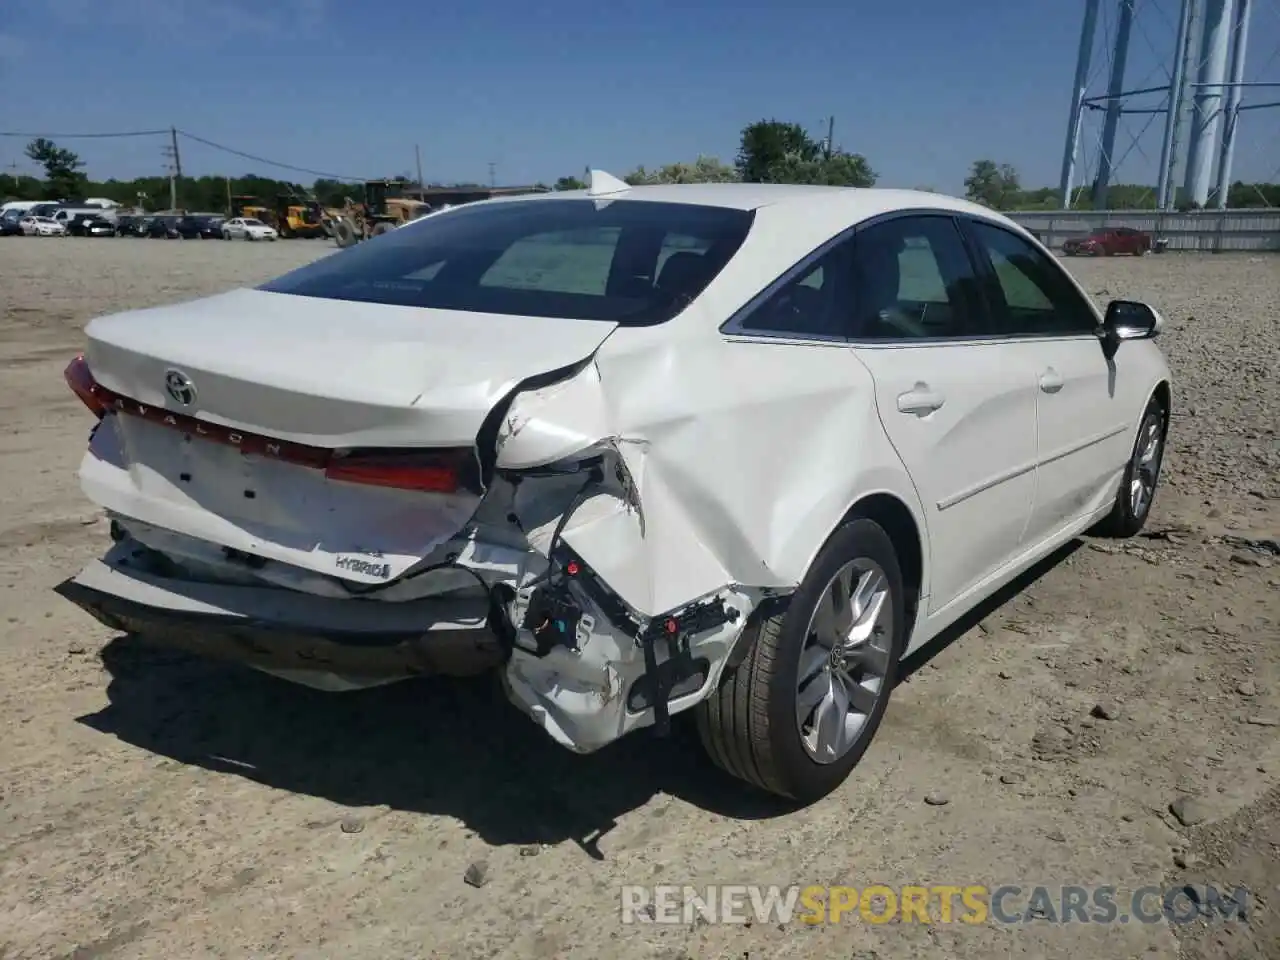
[[1205, 231]]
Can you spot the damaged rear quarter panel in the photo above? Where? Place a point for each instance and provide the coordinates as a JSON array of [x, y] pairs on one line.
[[745, 455]]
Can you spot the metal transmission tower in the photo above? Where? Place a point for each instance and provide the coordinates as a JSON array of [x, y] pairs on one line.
[[1200, 104]]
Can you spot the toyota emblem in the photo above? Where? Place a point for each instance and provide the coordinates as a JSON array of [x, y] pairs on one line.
[[179, 386]]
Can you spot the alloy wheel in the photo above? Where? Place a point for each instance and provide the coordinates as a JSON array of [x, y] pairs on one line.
[[844, 660], [1146, 465]]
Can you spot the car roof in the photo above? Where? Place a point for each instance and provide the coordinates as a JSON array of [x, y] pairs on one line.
[[850, 204]]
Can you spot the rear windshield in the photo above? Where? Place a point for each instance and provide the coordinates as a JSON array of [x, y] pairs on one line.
[[628, 261]]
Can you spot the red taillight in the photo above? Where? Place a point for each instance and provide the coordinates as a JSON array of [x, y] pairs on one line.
[[436, 471], [82, 384], [425, 471]]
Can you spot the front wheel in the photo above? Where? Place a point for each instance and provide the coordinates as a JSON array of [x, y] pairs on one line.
[[1138, 486], [797, 714], [344, 235]]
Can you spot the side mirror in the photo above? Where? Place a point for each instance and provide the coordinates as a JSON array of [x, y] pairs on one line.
[[1130, 320]]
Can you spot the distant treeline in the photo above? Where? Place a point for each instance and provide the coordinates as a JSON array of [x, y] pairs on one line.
[[210, 193], [1133, 196], [770, 151]]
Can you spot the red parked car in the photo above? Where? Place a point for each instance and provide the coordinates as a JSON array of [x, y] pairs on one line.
[[1109, 242]]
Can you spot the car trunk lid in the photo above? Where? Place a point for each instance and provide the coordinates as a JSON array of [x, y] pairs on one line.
[[330, 435]]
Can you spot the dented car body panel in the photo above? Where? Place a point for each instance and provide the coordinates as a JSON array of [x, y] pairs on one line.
[[728, 491]]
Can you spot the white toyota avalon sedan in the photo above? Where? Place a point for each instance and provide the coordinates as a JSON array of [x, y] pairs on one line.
[[730, 448]]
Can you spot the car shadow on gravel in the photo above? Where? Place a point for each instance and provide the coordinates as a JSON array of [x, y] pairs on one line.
[[445, 747]]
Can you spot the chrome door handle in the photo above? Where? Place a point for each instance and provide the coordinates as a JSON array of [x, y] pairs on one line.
[[920, 400], [1051, 381]]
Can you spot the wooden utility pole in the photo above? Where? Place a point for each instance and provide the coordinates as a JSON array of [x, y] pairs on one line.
[[175, 168], [417, 155], [831, 132], [177, 157]]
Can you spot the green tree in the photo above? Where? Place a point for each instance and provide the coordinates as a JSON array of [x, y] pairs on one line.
[[569, 183], [1042, 198], [332, 193], [995, 186], [63, 178], [766, 144], [839, 170], [21, 187], [703, 170], [1242, 194], [775, 152]]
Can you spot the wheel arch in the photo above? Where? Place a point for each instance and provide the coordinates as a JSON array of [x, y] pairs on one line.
[[1163, 392], [905, 530], [898, 511], [888, 497]]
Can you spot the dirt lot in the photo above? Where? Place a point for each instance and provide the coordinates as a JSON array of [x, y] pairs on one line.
[[154, 806]]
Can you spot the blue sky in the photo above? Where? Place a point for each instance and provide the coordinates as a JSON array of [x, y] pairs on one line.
[[921, 88]]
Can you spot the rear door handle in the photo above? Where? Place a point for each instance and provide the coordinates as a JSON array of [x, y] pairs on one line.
[[920, 400], [1051, 381]]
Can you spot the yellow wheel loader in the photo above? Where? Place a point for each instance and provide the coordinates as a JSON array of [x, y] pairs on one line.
[[380, 211]]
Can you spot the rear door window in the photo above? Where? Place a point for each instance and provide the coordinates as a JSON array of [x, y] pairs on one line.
[[914, 280]]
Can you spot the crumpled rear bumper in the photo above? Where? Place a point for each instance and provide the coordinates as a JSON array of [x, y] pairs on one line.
[[332, 644]]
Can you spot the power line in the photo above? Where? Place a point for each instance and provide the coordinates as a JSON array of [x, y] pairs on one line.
[[84, 136], [271, 163], [190, 136]]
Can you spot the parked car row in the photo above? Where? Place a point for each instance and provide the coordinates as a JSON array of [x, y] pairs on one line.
[[153, 226], [206, 226]]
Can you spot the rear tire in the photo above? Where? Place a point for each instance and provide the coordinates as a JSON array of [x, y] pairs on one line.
[[381, 228], [751, 725], [1141, 476]]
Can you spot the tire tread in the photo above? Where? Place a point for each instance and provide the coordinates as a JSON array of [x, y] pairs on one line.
[[734, 722]]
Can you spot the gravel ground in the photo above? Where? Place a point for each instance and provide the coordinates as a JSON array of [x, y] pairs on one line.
[[156, 806]]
